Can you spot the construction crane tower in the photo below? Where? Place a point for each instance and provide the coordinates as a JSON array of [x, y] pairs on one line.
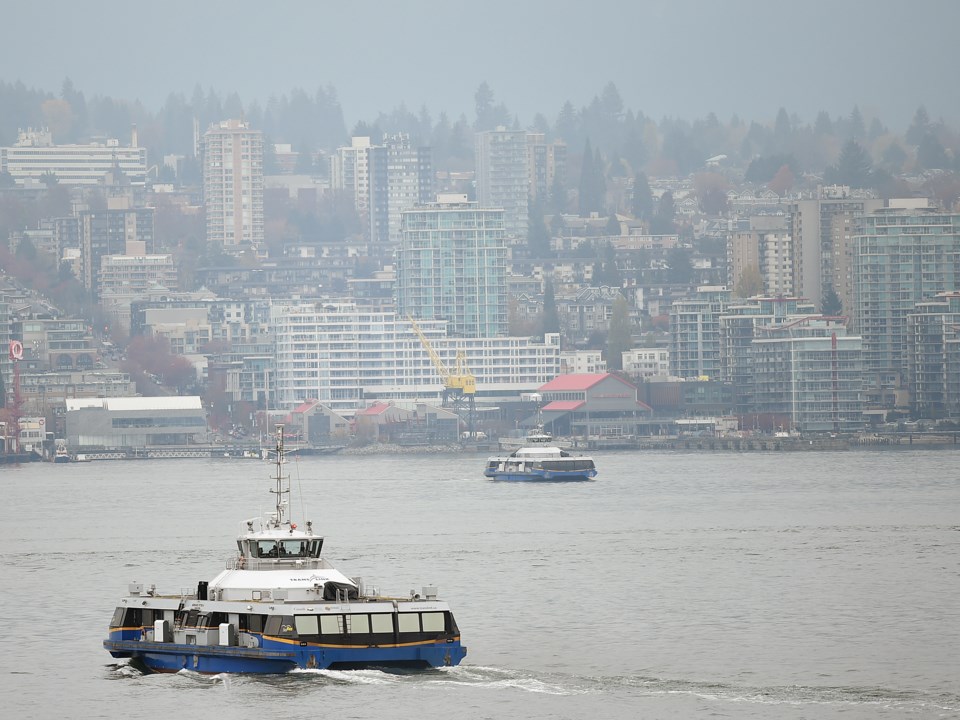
[[459, 384]]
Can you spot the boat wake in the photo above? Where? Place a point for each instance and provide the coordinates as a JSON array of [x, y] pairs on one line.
[[559, 684]]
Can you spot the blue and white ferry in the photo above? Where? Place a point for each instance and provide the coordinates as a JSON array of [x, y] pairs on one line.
[[279, 605], [540, 459]]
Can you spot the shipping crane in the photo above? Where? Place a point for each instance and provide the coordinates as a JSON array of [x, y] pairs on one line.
[[459, 384]]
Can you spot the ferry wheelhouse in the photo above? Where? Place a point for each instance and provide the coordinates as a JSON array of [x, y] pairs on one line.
[[279, 605]]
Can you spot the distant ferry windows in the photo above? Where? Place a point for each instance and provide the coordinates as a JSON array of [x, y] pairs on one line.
[[307, 625], [408, 622], [359, 624], [381, 623], [433, 622], [331, 624]]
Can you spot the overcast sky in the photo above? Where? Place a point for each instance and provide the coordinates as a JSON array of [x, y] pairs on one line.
[[681, 58]]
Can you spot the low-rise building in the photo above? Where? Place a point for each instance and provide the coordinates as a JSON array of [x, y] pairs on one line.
[[135, 422]]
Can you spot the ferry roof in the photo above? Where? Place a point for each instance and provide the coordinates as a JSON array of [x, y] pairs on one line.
[[172, 402]]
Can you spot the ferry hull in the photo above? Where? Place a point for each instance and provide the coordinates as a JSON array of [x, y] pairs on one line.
[[549, 476], [212, 659]]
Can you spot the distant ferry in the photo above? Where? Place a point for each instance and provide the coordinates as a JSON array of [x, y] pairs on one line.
[[278, 606], [540, 459]]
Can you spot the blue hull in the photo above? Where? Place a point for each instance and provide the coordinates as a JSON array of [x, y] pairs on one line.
[[550, 476], [212, 659]]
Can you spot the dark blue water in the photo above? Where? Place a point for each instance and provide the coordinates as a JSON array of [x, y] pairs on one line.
[[813, 585]]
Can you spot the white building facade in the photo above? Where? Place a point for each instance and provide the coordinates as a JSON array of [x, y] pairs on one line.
[[347, 357], [35, 155]]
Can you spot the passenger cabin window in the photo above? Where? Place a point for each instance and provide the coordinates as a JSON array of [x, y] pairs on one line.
[[433, 622], [307, 625], [381, 623], [331, 624], [267, 549], [359, 624], [408, 622]]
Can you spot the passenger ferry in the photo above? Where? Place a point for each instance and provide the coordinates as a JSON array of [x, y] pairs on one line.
[[279, 605], [540, 459]]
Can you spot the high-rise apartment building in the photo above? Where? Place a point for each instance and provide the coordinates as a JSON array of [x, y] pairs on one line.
[[695, 332], [107, 232], [233, 184], [502, 177], [811, 372], [452, 265], [822, 231], [743, 322], [933, 357], [383, 181], [903, 256], [764, 247], [546, 164]]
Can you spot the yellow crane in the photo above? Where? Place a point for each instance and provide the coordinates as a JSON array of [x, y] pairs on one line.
[[459, 384], [459, 381]]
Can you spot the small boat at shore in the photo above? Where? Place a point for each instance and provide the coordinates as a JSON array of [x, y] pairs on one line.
[[280, 605]]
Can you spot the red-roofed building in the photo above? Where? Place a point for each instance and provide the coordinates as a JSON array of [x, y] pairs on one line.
[[594, 404], [317, 424]]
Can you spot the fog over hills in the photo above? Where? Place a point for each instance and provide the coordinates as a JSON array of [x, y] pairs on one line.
[[682, 58]]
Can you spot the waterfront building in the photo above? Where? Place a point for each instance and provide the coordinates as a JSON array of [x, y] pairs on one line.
[[346, 356], [135, 422], [903, 256], [594, 405], [233, 184], [452, 265], [811, 372], [35, 155], [695, 332], [741, 323], [822, 231], [933, 357], [502, 178]]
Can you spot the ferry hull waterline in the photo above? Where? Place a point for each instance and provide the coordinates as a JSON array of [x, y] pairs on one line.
[[279, 605]]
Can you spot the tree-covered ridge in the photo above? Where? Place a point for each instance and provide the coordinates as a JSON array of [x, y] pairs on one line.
[[624, 142]]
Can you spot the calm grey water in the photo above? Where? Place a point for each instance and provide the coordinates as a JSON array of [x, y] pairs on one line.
[[672, 586]]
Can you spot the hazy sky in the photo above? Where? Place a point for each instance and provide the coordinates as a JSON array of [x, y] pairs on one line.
[[681, 58]]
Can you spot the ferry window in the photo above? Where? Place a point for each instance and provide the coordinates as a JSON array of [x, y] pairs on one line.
[[307, 625], [117, 619], [315, 546], [202, 621], [273, 625], [267, 549], [381, 623], [330, 624], [147, 618], [359, 624], [433, 622], [251, 623], [293, 548], [408, 622]]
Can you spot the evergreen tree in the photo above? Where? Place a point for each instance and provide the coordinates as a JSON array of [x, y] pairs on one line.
[[619, 338], [823, 124], [749, 283], [662, 222], [551, 316], [642, 203], [590, 180], [538, 236], [930, 153], [919, 127], [558, 195], [831, 304], [853, 168]]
